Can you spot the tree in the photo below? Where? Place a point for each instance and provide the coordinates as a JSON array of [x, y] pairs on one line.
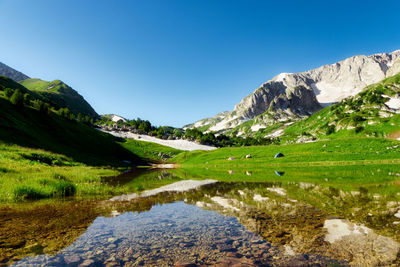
[[17, 98], [160, 132], [193, 134], [8, 92], [41, 106], [80, 117], [178, 133], [27, 99], [88, 120], [145, 126]]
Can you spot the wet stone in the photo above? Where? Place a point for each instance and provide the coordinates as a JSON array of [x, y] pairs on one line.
[[71, 259], [184, 264], [87, 263]]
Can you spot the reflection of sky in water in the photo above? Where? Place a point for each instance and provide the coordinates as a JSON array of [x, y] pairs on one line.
[[164, 230]]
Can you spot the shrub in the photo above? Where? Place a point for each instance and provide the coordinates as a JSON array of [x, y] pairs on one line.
[[8, 92], [46, 159], [60, 177], [27, 99], [139, 187], [60, 188], [359, 129], [79, 117], [41, 106], [27, 192], [330, 129], [64, 189], [357, 118], [17, 98]]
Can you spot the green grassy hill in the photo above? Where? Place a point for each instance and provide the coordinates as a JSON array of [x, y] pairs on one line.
[[9, 83], [365, 114], [29, 127], [60, 95]]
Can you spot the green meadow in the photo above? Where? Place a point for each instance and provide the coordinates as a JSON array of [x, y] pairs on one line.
[[336, 152], [30, 174]]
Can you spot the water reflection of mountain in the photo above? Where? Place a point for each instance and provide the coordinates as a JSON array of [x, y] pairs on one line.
[[298, 227]]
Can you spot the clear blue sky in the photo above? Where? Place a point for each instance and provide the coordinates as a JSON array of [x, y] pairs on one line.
[[174, 62]]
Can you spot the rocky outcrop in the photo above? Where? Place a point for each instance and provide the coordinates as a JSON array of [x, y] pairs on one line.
[[277, 96], [296, 95], [12, 73]]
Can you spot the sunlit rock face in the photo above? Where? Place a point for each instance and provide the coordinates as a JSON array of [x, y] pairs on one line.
[[296, 95]]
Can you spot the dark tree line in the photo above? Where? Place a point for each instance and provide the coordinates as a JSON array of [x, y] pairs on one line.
[[20, 100], [223, 140]]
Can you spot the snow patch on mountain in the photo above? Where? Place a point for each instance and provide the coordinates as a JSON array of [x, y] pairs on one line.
[[394, 103], [116, 118]]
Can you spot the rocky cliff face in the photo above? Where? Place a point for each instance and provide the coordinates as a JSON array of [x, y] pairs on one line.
[[296, 95], [12, 73]]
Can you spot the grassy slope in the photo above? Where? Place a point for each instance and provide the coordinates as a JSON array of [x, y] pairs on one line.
[[28, 127], [32, 174], [9, 83], [329, 152], [61, 95], [367, 106]]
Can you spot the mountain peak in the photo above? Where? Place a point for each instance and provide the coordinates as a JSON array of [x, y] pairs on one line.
[[11, 73], [289, 96]]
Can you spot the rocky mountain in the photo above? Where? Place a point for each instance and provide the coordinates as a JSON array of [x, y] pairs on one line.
[[60, 95], [12, 73], [291, 96]]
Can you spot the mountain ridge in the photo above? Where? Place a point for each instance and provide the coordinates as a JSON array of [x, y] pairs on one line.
[[293, 96], [11, 73]]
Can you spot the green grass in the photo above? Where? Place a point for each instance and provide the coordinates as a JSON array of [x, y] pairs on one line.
[[60, 95], [35, 174], [35, 84], [30, 174], [329, 152], [149, 152]]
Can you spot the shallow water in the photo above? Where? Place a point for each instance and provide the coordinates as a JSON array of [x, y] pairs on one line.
[[280, 223]]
